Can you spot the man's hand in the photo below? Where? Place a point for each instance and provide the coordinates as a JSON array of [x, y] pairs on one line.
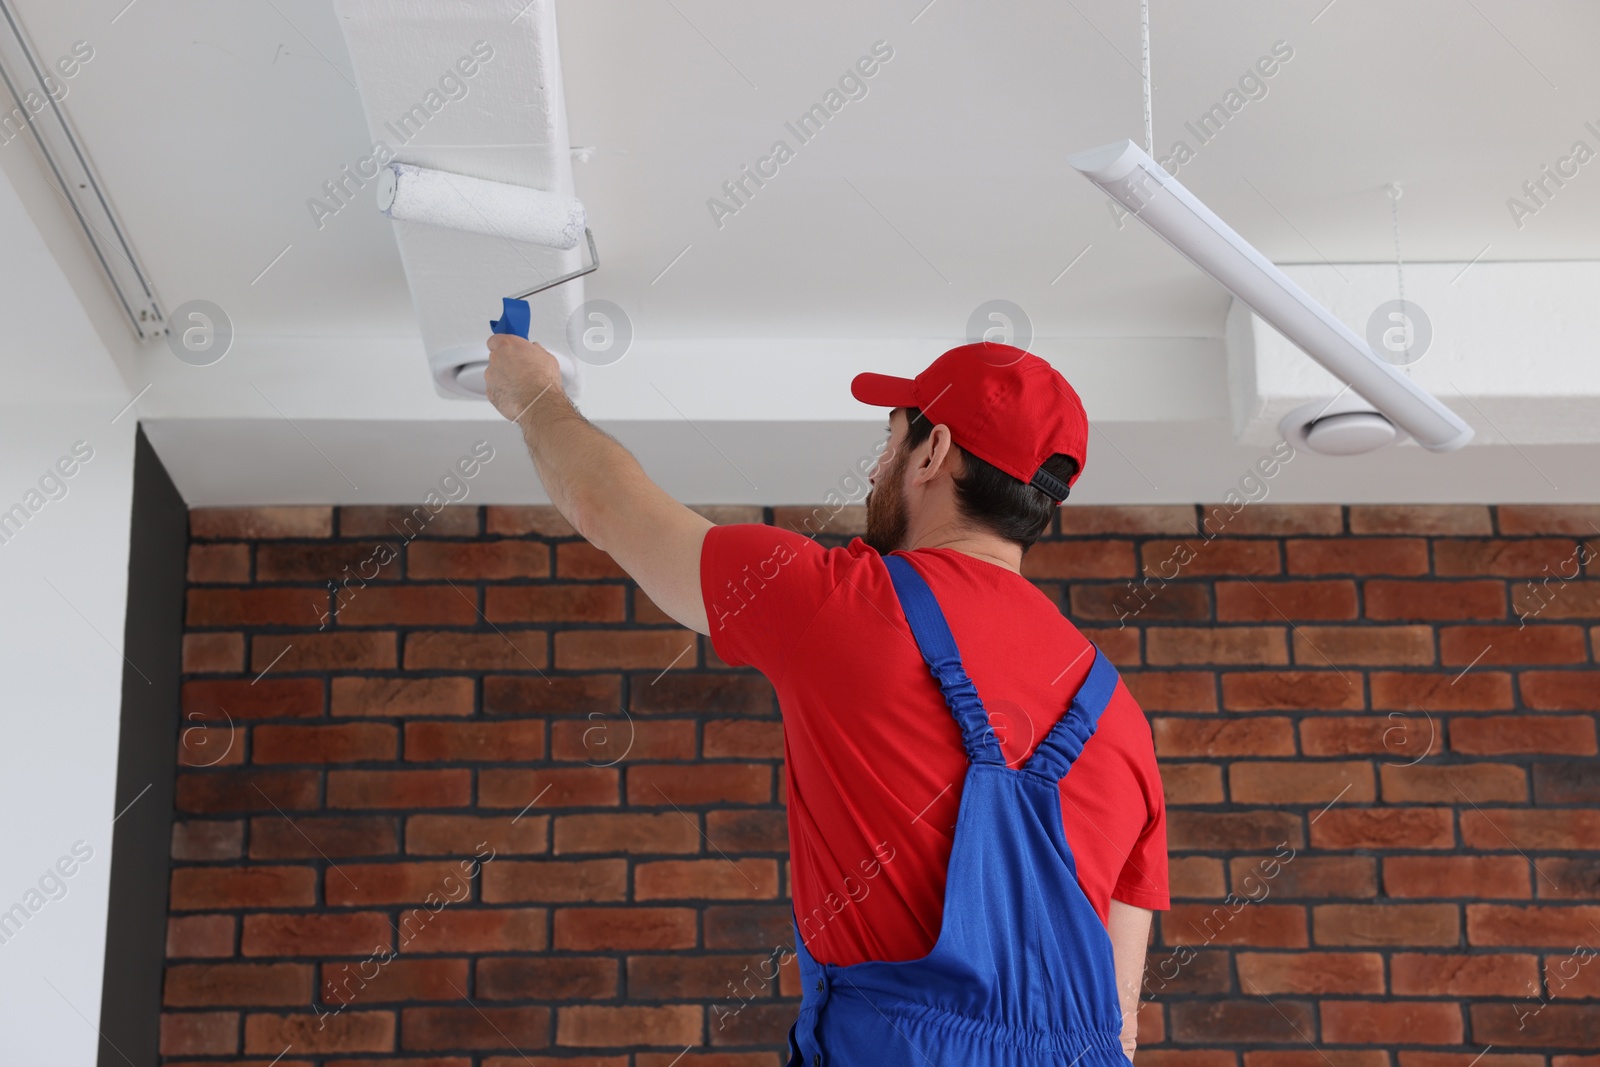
[[520, 371]]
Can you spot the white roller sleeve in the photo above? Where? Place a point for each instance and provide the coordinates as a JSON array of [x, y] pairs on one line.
[[476, 205]]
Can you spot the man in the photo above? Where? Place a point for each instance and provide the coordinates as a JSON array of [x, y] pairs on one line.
[[959, 897]]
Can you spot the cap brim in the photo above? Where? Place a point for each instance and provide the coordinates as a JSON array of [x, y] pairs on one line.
[[884, 390]]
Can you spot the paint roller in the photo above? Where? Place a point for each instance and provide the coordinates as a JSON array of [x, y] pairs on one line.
[[493, 209]]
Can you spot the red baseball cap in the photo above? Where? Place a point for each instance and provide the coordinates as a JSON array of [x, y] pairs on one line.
[[1003, 405]]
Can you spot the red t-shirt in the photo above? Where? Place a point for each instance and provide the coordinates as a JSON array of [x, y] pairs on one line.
[[873, 756]]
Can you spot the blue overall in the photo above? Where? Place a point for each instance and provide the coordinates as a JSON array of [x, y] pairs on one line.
[[1022, 973]]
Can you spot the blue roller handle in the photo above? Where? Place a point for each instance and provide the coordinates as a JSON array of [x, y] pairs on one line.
[[514, 318]]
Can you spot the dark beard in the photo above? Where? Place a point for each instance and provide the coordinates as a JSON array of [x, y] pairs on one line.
[[887, 518]]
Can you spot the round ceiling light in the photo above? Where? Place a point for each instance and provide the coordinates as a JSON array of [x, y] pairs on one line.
[[469, 377], [1345, 426]]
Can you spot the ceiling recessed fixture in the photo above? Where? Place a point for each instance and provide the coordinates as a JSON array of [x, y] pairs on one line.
[[1343, 426], [1129, 176]]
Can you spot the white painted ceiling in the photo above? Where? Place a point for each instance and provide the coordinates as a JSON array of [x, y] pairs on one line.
[[945, 186]]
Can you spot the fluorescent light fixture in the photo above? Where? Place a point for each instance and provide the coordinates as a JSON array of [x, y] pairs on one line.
[[1144, 187], [30, 108]]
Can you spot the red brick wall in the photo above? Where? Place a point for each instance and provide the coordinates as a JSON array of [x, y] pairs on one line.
[[496, 809]]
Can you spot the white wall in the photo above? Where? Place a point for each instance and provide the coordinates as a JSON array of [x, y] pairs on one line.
[[63, 585]]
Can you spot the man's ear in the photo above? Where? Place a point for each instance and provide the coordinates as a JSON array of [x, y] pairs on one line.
[[941, 454]]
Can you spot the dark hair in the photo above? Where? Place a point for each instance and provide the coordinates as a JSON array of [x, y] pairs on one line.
[[993, 499]]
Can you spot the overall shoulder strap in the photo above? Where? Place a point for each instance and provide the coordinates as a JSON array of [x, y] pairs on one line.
[[939, 651], [1054, 756]]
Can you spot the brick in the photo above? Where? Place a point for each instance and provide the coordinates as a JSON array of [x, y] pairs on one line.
[[605, 742], [477, 560], [579, 650], [1301, 782], [345, 743], [1346, 828], [357, 650], [511, 650], [1252, 1020], [1358, 556], [1173, 645], [653, 785], [200, 985], [214, 888], [1571, 782], [426, 1061], [1186, 1057], [209, 792], [218, 563], [1121, 646], [1562, 878], [269, 698], [555, 603], [711, 694], [1567, 974], [1392, 1022], [1398, 600], [1503, 974], [1087, 520], [273, 606], [1535, 519], [460, 929], [1485, 877], [1230, 831], [343, 934], [213, 653], [746, 830], [1291, 691], [1560, 690], [1320, 1057], [1301, 876], [208, 840], [1079, 560], [631, 832], [1185, 970], [396, 980], [1451, 783], [194, 1033], [210, 746], [581, 561], [1255, 736], [1428, 519], [310, 837], [1568, 735], [548, 978], [460, 835], [488, 742], [1472, 1059], [1563, 600], [540, 881], [1475, 690], [1281, 520], [1500, 829], [387, 697], [708, 879], [1271, 973], [646, 610], [347, 1031], [1202, 558], [1547, 925], [350, 566], [1496, 645], [1386, 924], [191, 936], [1172, 690], [408, 522], [585, 787], [254, 524], [1152, 602], [1236, 922], [396, 883], [542, 696], [1191, 877], [1501, 559], [847, 520], [743, 739], [1554, 1025], [1192, 783], [585, 1025], [399, 789], [1322, 646], [1272, 601], [625, 928], [713, 978], [409, 605], [520, 521]]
